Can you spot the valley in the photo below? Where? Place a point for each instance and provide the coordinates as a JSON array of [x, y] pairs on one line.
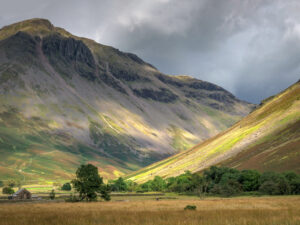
[[267, 140]]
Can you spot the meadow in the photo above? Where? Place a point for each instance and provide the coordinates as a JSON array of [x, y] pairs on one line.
[[146, 210]]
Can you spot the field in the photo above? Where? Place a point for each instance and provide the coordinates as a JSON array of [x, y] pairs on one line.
[[239, 211]]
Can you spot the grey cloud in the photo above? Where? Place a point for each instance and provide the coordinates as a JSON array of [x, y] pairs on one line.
[[250, 47]]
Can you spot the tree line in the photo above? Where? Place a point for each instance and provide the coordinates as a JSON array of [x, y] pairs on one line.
[[222, 181]]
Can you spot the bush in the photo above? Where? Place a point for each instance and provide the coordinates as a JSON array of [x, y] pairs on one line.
[[269, 187], [190, 207], [250, 180], [284, 186], [269, 176], [132, 186], [290, 175], [66, 187], [104, 192], [145, 187], [230, 188], [295, 186], [8, 191], [52, 195], [119, 185], [1, 183]]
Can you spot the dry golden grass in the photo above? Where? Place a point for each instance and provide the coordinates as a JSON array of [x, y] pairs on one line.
[[239, 211]]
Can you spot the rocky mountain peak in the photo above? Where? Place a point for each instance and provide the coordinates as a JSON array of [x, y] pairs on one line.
[[36, 27], [90, 102]]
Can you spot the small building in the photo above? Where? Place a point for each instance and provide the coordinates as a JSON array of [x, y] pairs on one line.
[[22, 194]]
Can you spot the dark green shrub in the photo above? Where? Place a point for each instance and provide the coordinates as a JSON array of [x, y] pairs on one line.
[[1, 183], [269, 176], [119, 185], [230, 188], [215, 174], [104, 192], [250, 180], [269, 187], [8, 191], [290, 175], [66, 187], [145, 187], [284, 186], [295, 186], [182, 183], [132, 186], [158, 184], [190, 207]]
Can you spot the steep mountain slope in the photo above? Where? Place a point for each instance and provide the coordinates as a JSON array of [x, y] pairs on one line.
[[66, 100], [266, 139]]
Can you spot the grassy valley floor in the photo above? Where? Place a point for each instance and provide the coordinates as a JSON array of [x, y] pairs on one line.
[[239, 211]]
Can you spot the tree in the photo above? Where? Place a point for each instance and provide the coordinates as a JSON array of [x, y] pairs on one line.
[[295, 186], [249, 180], [119, 185], [214, 175], [284, 186], [294, 182], [8, 191], [66, 187], [145, 187], [290, 175], [275, 183], [52, 195], [183, 182], [88, 183], [132, 186], [269, 176], [269, 187], [158, 184], [230, 187], [104, 192]]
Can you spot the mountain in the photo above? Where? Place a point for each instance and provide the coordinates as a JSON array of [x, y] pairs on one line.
[[268, 139], [67, 100]]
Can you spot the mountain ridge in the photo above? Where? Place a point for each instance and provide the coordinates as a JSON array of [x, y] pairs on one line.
[[71, 98]]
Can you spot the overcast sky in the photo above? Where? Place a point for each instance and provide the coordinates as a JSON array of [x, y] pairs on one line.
[[249, 47]]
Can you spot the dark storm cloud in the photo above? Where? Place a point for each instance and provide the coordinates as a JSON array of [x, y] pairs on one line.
[[250, 47]]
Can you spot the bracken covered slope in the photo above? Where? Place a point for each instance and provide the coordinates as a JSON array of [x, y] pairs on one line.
[[66, 100], [267, 139]]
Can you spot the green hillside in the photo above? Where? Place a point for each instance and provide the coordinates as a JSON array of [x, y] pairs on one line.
[[67, 100], [266, 139]]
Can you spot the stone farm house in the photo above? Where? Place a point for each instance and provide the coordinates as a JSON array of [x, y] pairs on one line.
[[22, 194]]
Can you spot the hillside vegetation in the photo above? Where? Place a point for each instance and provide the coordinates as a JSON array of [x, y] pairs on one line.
[[67, 100], [267, 139]]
